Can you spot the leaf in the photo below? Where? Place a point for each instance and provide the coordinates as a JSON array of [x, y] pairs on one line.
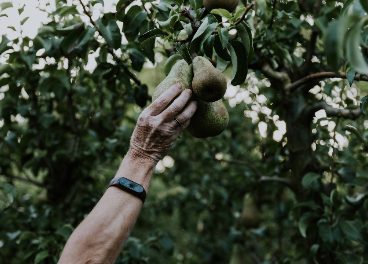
[[24, 21], [333, 45], [346, 6], [141, 95], [44, 30], [171, 62], [223, 53], [325, 232], [86, 36], [41, 256], [169, 23], [184, 52], [347, 174], [310, 204], [309, 178], [364, 4], [350, 76], [352, 229], [240, 13], [239, 59], [98, 1], [66, 10], [28, 58], [133, 19], [5, 5], [111, 33], [363, 105], [65, 231], [196, 4], [304, 222], [221, 64], [313, 252], [208, 46], [148, 45], [262, 5], [222, 12], [4, 45], [70, 42], [150, 34], [353, 52], [244, 36], [224, 36], [203, 33]]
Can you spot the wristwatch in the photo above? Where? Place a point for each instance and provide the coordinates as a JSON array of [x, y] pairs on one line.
[[130, 187]]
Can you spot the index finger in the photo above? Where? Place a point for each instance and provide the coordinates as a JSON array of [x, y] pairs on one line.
[[163, 101]]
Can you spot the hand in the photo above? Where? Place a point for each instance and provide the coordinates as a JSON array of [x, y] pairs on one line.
[[156, 130]]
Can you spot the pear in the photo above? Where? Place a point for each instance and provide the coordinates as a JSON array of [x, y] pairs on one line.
[[181, 73], [250, 217], [209, 84], [209, 120], [229, 5]]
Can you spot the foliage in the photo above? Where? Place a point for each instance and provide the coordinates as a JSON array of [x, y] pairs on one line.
[[64, 128]]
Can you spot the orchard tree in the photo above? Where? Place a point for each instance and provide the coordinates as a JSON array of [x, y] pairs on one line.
[[285, 183]]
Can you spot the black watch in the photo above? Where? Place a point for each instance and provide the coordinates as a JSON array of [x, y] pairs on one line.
[[130, 187]]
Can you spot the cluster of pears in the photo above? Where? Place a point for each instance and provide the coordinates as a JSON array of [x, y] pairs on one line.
[[209, 86]]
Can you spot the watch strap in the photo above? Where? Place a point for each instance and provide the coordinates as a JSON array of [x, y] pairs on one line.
[[115, 183]]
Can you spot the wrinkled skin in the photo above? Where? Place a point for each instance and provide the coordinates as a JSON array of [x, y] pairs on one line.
[[156, 130]]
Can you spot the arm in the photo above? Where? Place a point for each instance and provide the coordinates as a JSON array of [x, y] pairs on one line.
[[102, 235]]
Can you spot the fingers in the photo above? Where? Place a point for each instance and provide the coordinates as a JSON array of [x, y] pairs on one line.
[[164, 100], [177, 105], [188, 113]]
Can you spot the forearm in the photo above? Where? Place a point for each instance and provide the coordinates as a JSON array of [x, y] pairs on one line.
[[102, 235]]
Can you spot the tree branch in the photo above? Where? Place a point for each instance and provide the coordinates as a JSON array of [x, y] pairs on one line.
[[245, 13], [332, 112], [111, 50], [273, 13], [281, 77], [39, 184], [322, 75], [244, 163]]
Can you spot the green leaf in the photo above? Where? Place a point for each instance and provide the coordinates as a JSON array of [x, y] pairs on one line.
[[313, 252], [224, 36], [133, 19], [28, 58], [310, 204], [244, 37], [24, 21], [353, 52], [363, 105], [305, 220], [169, 23], [184, 52], [223, 53], [171, 62], [364, 4], [208, 46], [65, 231], [86, 36], [5, 68], [148, 45], [346, 6], [222, 12], [221, 64], [196, 4], [150, 34], [203, 33], [309, 178], [5, 5], [120, 11], [262, 5], [45, 30], [350, 76], [7, 195], [239, 59], [98, 1], [239, 13], [66, 10], [41, 256], [4, 45], [352, 229], [325, 232], [111, 33], [333, 45], [70, 42]]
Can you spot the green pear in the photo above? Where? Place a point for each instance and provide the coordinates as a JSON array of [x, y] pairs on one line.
[[209, 120], [181, 73], [229, 5], [250, 217], [209, 84]]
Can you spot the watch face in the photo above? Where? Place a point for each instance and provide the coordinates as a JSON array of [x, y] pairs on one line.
[[131, 185]]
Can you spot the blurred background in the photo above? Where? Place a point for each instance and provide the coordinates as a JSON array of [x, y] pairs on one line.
[[66, 122]]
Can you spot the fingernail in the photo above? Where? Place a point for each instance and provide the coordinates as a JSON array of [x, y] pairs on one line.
[[178, 86]]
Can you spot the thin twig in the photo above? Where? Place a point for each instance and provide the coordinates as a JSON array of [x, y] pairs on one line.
[[322, 75], [39, 184], [245, 13], [273, 13]]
